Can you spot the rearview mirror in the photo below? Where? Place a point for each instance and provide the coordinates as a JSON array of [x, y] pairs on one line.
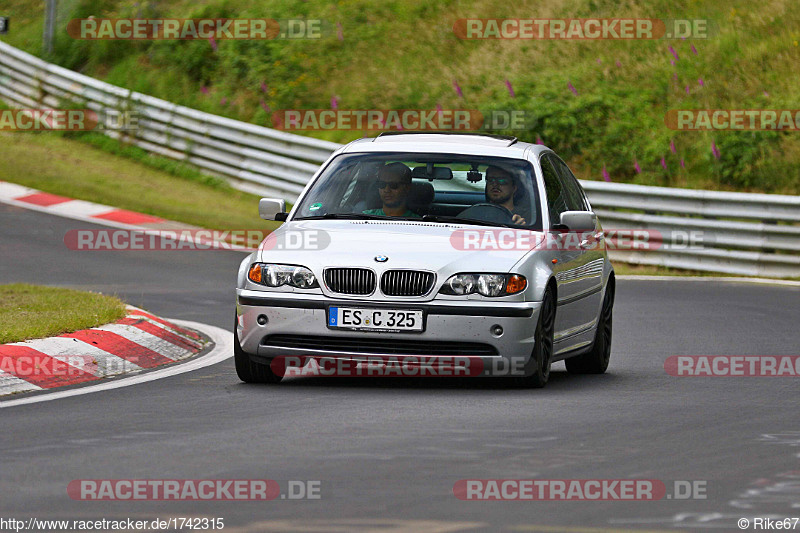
[[579, 220], [270, 208], [432, 173]]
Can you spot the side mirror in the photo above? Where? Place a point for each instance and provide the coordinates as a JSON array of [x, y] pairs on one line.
[[579, 220], [271, 208]]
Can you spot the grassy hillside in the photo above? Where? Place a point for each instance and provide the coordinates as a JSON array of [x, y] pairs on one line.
[[403, 54]]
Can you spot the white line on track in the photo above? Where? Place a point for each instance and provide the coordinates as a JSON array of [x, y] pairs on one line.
[[764, 281], [223, 350]]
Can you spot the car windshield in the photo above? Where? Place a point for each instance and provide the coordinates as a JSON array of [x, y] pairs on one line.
[[478, 190]]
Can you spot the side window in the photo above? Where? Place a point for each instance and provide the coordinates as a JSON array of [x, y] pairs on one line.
[[575, 197], [556, 203]]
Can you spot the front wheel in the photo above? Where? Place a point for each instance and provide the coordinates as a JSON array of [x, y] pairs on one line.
[[247, 370], [542, 355], [596, 360]]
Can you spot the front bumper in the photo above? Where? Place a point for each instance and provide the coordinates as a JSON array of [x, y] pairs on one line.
[[297, 326]]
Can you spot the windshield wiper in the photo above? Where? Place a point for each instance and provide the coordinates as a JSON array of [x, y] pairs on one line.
[[469, 221], [344, 216]]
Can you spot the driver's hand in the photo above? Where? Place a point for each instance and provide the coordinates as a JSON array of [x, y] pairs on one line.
[[517, 219]]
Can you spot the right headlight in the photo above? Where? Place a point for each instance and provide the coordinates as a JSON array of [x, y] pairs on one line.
[[273, 275], [485, 284]]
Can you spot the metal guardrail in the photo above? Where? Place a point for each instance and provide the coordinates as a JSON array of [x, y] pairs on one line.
[[259, 159], [751, 234]]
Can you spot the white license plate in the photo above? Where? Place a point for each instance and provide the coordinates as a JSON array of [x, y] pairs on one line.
[[375, 319]]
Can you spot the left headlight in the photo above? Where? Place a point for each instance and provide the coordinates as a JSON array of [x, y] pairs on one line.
[[273, 275], [485, 284]]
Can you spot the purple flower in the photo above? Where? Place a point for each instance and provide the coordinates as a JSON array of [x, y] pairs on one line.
[[636, 166], [672, 146], [674, 53], [683, 165], [619, 64], [334, 102], [605, 173], [457, 87], [599, 61], [539, 140], [263, 87], [204, 90], [766, 94], [510, 89], [264, 106], [687, 89], [223, 101], [663, 162], [572, 88], [715, 150], [339, 34], [694, 50], [213, 43], [700, 81], [675, 76], [672, 62]]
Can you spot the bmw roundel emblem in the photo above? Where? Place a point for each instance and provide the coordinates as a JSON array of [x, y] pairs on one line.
[[381, 258]]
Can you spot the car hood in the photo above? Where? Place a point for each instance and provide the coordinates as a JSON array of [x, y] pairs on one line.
[[411, 245]]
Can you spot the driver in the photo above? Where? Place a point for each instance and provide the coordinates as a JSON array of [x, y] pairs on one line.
[[394, 185], [500, 190]]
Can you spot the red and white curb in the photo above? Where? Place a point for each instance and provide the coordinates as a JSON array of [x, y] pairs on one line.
[[28, 198], [134, 343], [45, 202]]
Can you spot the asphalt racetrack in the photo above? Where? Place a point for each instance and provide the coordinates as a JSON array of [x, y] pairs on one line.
[[388, 452]]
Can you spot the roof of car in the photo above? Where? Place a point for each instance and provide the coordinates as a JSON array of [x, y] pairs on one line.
[[446, 143]]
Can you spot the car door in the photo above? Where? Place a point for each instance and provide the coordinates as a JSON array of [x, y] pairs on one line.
[[567, 269], [588, 283]]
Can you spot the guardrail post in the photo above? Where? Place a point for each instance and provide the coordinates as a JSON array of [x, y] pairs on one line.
[[49, 27]]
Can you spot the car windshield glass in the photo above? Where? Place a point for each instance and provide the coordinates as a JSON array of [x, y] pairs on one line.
[[437, 187]]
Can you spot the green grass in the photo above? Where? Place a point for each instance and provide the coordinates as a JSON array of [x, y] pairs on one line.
[[402, 54], [34, 312], [68, 167], [625, 269]]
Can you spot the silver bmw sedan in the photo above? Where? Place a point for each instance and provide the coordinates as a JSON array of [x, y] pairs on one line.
[[429, 254]]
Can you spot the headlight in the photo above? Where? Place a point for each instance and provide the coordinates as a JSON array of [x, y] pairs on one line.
[[278, 275], [485, 284], [491, 284], [461, 284]]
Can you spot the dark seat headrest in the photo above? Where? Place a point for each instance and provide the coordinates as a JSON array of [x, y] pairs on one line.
[[421, 195]]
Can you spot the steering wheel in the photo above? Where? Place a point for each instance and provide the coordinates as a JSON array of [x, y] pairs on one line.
[[488, 212]]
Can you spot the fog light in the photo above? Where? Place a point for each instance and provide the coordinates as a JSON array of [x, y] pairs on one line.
[[497, 330], [262, 320]]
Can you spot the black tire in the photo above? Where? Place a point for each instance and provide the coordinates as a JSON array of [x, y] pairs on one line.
[[250, 371], [542, 356], [596, 360]]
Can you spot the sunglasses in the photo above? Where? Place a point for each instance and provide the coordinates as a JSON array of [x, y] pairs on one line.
[[393, 185], [499, 181]]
